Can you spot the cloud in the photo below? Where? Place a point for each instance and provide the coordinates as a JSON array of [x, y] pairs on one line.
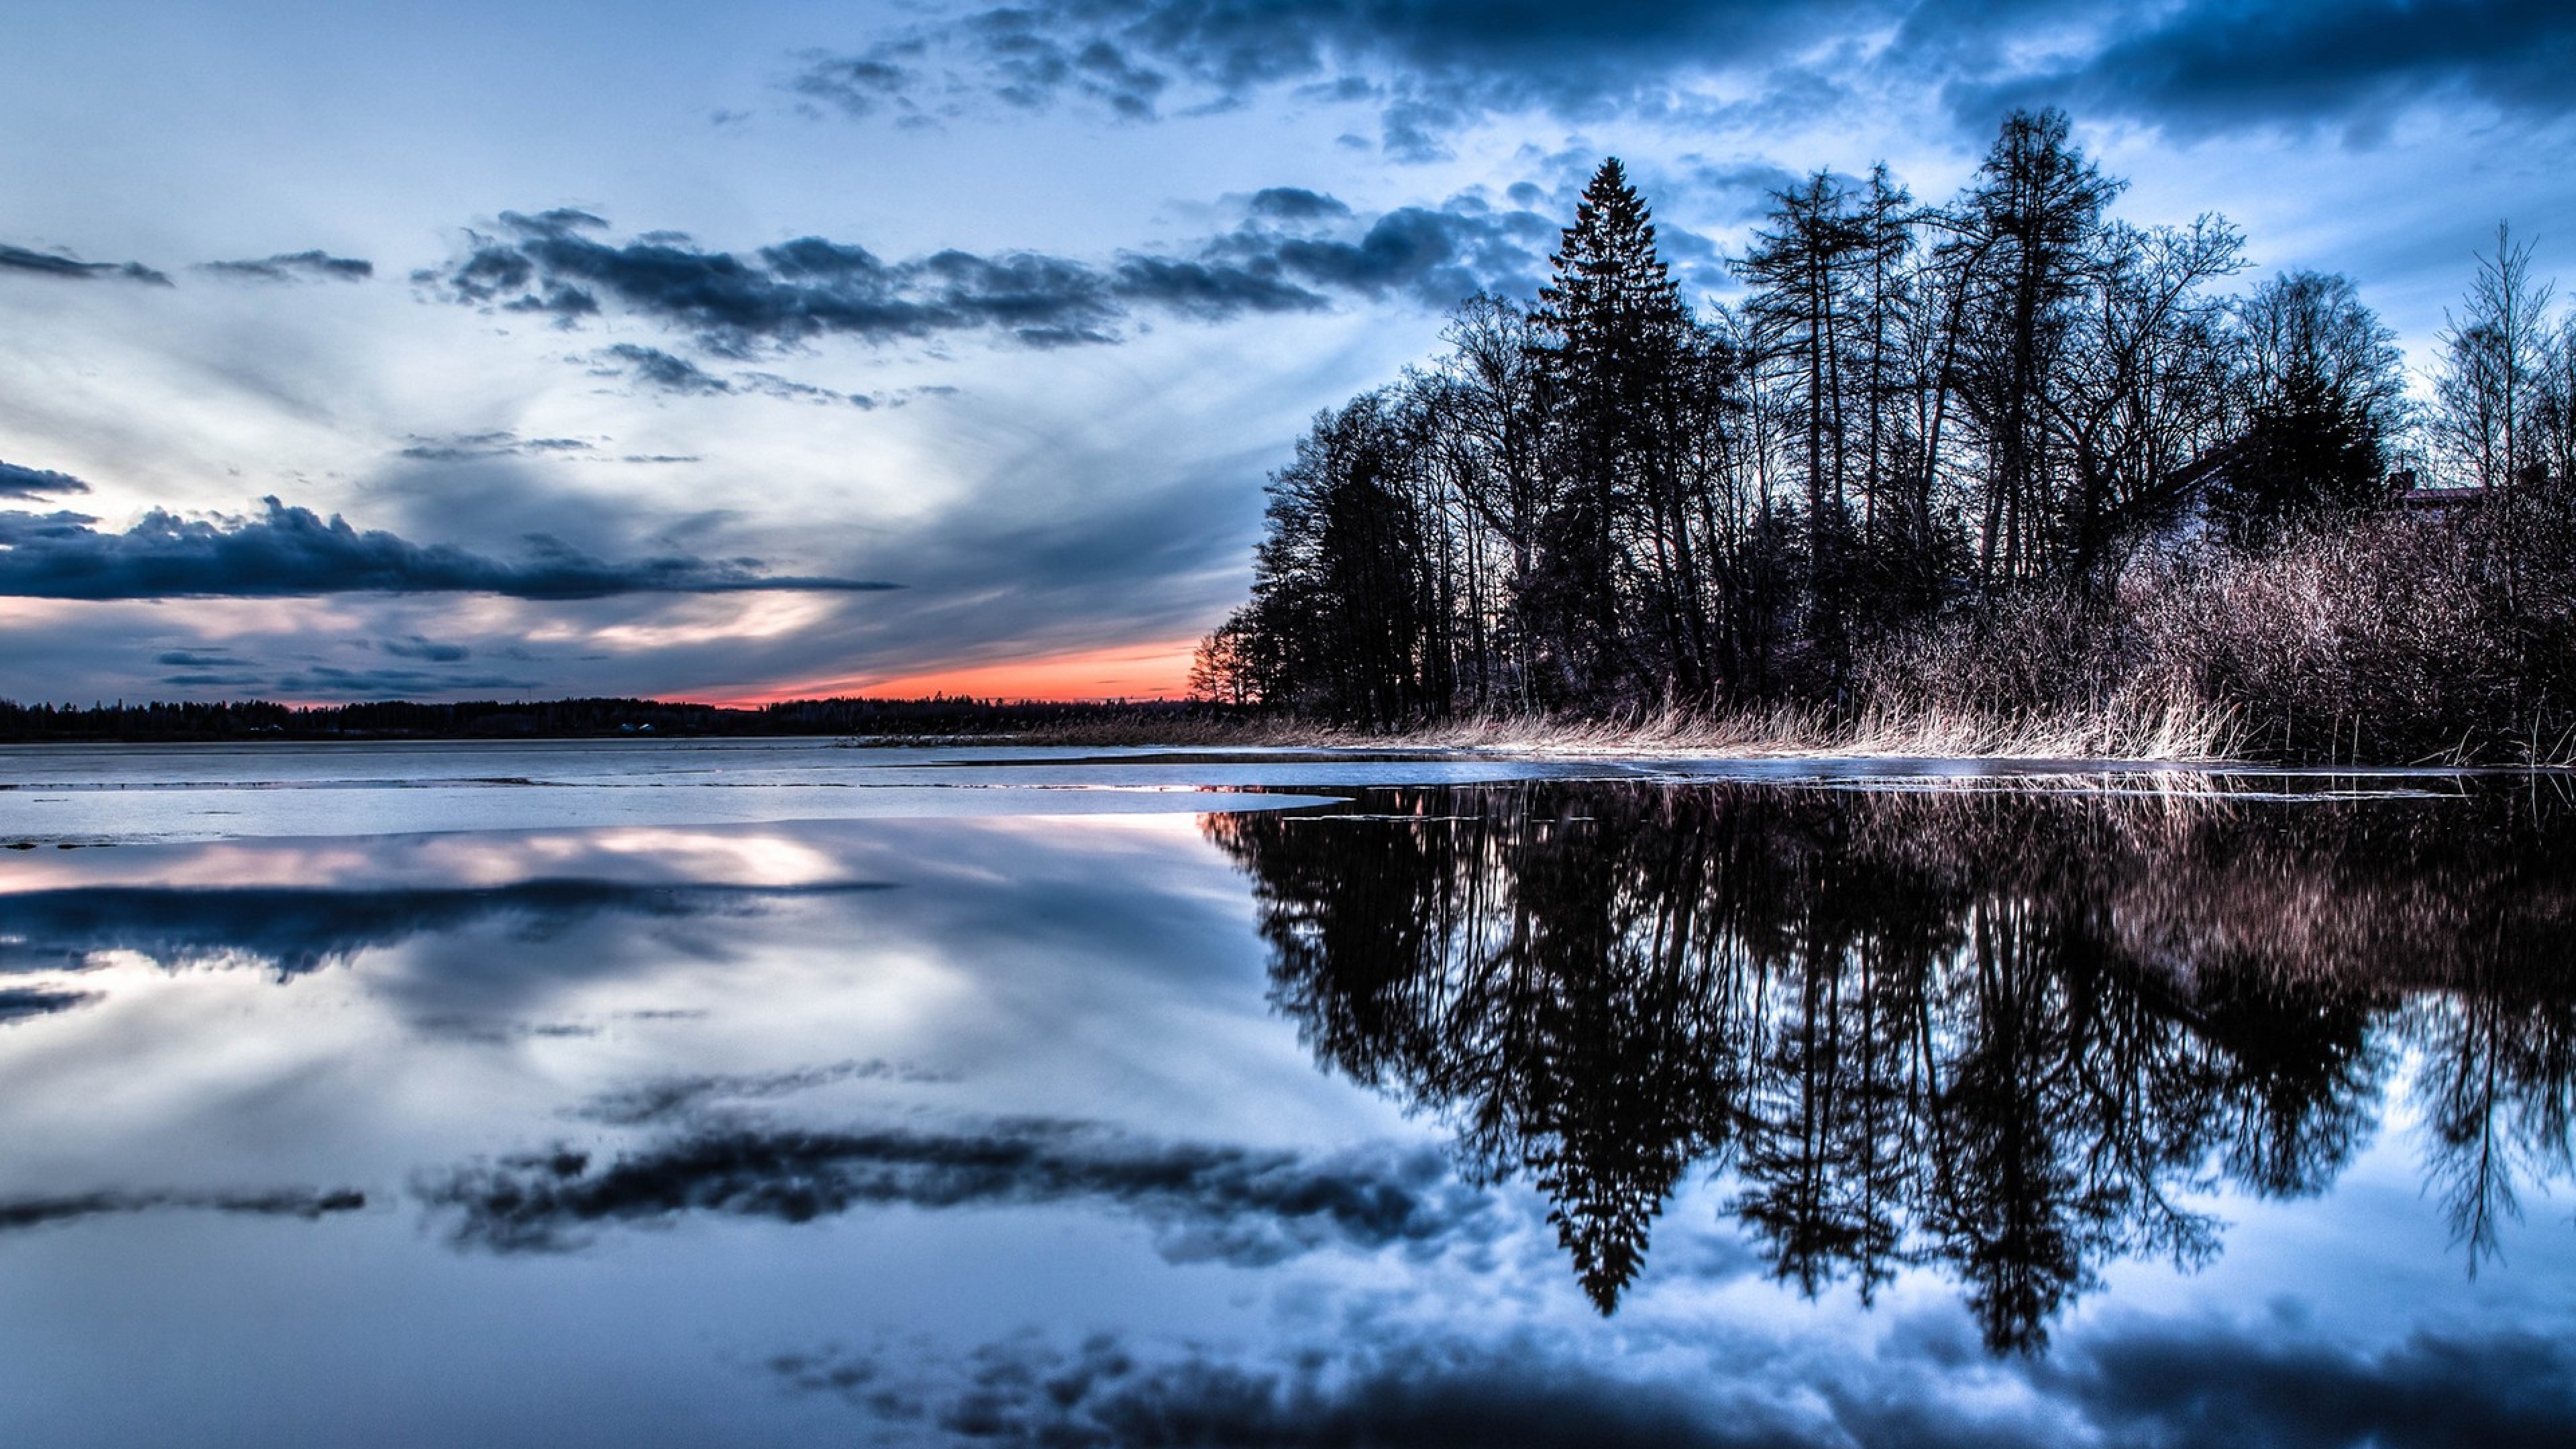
[[661, 370], [738, 305], [1203, 1201], [1435, 256], [18, 1003], [323, 680], [1434, 68], [2204, 66], [417, 647], [305, 1203], [498, 443], [63, 264], [287, 552], [309, 266], [1431, 67], [1294, 203], [18, 482]]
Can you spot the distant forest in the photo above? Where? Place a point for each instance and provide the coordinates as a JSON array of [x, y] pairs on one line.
[[910, 719], [2006, 454]]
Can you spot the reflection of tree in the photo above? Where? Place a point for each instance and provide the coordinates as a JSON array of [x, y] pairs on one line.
[[2498, 1071], [2008, 1034]]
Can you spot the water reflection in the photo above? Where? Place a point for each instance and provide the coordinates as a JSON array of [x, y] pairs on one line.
[[2013, 1036], [293, 930]]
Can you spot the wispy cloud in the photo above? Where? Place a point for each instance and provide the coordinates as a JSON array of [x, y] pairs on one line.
[[306, 266], [64, 264]]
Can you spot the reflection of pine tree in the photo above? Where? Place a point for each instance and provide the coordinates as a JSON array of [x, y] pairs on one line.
[[2008, 1036]]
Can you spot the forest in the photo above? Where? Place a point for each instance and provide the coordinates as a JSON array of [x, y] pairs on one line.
[[2003, 456]]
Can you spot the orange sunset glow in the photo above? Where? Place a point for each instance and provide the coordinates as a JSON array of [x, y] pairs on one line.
[[1156, 670]]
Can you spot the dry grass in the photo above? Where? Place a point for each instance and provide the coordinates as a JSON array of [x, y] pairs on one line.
[[2126, 729], [2158, 728]]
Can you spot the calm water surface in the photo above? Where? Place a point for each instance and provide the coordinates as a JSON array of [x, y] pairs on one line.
[[777, 1094]]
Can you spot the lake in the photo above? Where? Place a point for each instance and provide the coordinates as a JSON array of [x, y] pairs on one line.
[[778, 1093]]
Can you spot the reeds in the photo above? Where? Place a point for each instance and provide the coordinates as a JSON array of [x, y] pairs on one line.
[[2141, 726]]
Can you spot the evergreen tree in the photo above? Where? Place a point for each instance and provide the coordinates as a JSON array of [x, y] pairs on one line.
[[1613, 329], [2325, 385]]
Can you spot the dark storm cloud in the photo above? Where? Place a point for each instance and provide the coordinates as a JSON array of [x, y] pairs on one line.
[[56, 264], [2206, 66], [739, 304], [1203, 1201], [312, 266], [305, 1203], [198, 659], [294, 930], [292, 552], [18, 482]]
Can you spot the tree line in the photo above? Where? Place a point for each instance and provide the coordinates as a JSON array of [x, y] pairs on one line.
[[1919, 422]]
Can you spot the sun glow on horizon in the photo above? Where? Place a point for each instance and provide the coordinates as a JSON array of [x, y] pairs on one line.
[[1156, 670]]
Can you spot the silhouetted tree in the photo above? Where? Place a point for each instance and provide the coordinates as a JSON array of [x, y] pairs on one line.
[[2323, 386]]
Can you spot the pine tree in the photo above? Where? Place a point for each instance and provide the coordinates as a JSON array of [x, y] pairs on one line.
[[1614, 328]]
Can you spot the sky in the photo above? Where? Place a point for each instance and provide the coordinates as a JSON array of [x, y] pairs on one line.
[[774, 350]]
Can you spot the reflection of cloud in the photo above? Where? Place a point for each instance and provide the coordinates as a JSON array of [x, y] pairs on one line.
[[1203, 1201], [1382, 1382], [307, 1203], [294, 929], [1379, 1390], [2168, 1383]]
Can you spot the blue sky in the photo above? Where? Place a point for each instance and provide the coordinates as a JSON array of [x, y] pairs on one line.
[[635, 346]]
